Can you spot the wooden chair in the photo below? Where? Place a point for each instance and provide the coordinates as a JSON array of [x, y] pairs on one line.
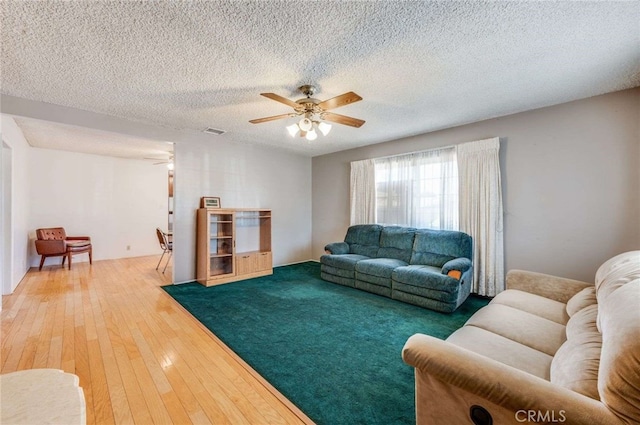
[[54, 242], [166, 246]]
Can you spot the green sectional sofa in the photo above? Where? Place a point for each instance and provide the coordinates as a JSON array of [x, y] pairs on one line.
[[428, 268]]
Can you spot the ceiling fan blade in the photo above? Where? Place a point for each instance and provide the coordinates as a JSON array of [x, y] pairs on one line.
[[338, 101], [281, 99], [342, 119], [265, 119]]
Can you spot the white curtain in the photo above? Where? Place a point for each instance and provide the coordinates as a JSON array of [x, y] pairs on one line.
[[363, 192], [481, 212], [418, 189]]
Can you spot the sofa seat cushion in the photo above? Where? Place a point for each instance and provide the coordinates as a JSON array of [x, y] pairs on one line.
[[534, 304], [334, 271], [520, 326], [425, 277], [502, 349], [380, 267], [409, 292], [342, 261], [575, 365], [77, 244]]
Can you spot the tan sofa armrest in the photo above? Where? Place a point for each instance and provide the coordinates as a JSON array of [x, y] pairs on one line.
[[501, 385], [548, 286]]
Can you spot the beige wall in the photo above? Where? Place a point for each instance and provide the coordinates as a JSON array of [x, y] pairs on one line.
[[571, 182], [241, 175]]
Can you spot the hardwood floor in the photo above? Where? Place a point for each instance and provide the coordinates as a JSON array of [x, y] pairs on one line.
[[140, 356]]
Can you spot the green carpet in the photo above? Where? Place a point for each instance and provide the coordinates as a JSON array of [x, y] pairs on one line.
[[334, 351]]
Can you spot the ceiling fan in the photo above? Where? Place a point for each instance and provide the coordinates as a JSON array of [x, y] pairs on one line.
[[168, 161], [313, 112]]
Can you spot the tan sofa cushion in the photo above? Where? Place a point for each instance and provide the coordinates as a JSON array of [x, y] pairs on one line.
[[575, 365], [583, 321], [502, 349], [616, 272], [534, 304], [525, 328], [582, 299], [618, 378]]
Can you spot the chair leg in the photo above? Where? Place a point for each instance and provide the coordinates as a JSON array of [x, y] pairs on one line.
[[168, 259], [69, 261], [42, 262], [64, 258], [163, 252], [90, 255]]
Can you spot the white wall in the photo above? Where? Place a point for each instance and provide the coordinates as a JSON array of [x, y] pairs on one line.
[[206, 165], [20, 203], [118, 202], [570, 182], [242, 176]]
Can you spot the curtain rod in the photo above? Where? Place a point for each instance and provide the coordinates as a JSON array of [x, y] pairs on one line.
[[411, 153]]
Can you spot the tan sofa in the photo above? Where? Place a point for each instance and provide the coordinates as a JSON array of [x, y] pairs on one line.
[[546, 350]]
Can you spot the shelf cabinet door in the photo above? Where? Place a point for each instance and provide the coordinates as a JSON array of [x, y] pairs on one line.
[[246, 263], [215, 246], [264, 261]]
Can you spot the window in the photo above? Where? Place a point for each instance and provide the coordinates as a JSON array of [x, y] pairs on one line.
[[419, 189]]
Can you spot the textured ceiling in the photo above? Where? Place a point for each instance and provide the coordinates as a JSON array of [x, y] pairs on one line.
[[419, 66]]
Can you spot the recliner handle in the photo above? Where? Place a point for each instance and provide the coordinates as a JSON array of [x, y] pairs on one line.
[[480, 416]]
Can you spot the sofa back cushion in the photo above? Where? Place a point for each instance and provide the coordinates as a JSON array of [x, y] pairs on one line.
[[436, 247], [396, 242], [616, 272], [618, 377], [582, 299], [575, 364], [364, 239]]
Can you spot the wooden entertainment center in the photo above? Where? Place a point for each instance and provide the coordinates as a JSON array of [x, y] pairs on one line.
[[232, 244]]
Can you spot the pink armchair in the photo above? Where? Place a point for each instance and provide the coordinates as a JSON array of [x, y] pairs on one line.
[[54, 242]]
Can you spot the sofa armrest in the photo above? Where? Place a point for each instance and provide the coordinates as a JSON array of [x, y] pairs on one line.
[[553, 287], [337, 248], [460, 265], [504, 388]]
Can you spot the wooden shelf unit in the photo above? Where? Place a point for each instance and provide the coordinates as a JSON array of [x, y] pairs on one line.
[[233, 244]]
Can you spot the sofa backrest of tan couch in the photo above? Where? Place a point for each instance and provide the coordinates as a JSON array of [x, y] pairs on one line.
[[601, 357], [618, 293]]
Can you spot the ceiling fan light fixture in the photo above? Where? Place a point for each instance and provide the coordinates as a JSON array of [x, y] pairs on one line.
[[293, 129], [311, 135], [324, 128], [305, 124]]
